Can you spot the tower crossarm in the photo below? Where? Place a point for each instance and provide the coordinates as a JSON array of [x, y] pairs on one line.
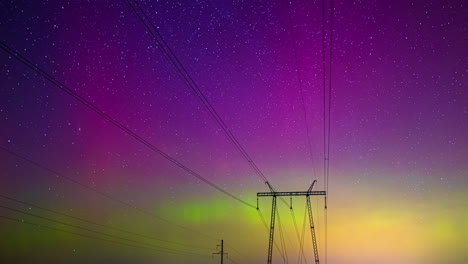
[[274, 194], [300, 193]]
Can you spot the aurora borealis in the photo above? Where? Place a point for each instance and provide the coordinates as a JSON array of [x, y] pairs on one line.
[[399, 122]]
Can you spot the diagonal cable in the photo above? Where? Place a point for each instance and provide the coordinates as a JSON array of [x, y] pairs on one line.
[[113, 121]]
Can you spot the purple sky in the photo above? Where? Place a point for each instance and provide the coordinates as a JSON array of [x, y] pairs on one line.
[[398, 121]]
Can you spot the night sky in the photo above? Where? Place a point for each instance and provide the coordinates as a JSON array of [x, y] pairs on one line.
[[398, 184]]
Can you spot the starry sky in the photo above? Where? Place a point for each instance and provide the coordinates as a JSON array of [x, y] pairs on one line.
[[398, 148]]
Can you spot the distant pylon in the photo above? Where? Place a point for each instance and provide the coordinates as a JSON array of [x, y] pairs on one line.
[[221, 252]]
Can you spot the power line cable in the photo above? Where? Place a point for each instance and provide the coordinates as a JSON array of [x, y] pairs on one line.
[[98, 224], [301, 88], [234, 250], [189, 81], [329, 124], [304, 110], [282, 240], [303, 235], [128, 240], [60, 85], [318, 225], [301, 247], [330, 91], [324, 99], [41, 226], [113, 121], [231, 260], [103, 194], [262, 219], [325, 130]]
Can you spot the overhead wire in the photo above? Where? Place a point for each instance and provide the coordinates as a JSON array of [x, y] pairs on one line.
[[301, 242], [324, 122], [231, 260], [324, 100], [228, 245], [189, 81], [128, 240], [318, 225], [329, 126], [41, 226], [301, 88], [262, 219], [97, 224], [128, 131], [282, 240], [101, 193], [327, 121], [304, 109], [113, 121], [236, 142], [330, 93], [303, 235]]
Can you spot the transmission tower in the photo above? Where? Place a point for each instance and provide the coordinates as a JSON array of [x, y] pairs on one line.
[[307, 194]]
